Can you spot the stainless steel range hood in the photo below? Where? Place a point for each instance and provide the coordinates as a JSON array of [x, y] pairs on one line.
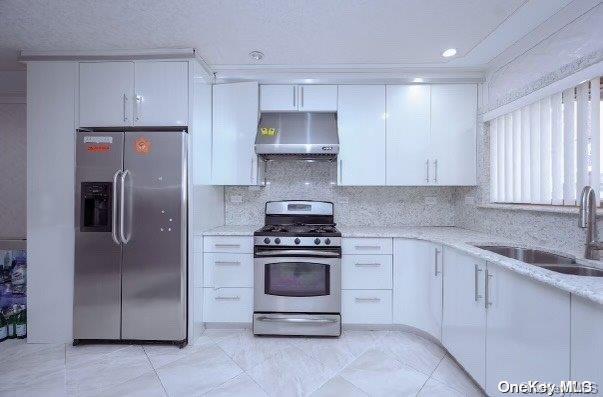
[[297, 134]]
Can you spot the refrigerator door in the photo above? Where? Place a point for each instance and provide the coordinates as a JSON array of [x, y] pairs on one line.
[[97, 283], [154, 236]]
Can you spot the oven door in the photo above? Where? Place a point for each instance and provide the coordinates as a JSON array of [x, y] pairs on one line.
[[297, 285]]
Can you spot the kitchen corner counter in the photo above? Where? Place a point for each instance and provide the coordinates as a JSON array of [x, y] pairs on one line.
[[231, 230], [590, 288]]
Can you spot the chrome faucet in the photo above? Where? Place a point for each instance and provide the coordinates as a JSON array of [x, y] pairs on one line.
[[588, 220]]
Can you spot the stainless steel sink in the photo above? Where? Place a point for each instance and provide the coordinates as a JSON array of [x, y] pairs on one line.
[[545, 260]]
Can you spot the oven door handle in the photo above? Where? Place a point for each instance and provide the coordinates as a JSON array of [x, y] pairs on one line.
[[312, 320], [327, 254]]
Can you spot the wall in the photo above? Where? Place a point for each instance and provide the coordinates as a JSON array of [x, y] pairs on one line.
[[354, 205], [13, 157]]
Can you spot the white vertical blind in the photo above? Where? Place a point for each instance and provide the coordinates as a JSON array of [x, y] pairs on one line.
[[557, 149], [595, 136], [546, 152], [569, 144]]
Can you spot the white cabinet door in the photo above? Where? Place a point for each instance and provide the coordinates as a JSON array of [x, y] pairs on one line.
[[408, 124], [528, 330], [235, 122], [228, 305], [464, 314], [418, 285], [366, 306], [366, 271], [106, 94], [586, 344], [161, 93], [361, 124], [317, 98], [453, 134], [278, 98]]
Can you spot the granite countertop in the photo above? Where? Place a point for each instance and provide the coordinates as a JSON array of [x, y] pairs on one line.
[[590, 288]]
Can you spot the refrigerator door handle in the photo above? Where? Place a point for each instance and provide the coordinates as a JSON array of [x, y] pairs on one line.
[[122, 208], [114, 209]]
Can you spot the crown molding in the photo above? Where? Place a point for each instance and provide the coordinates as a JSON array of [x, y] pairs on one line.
[[90, 55]]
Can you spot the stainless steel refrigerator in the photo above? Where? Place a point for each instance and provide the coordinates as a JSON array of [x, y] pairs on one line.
[[131, 236]]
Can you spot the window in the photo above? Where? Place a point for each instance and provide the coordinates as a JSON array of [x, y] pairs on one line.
[[546, 152]]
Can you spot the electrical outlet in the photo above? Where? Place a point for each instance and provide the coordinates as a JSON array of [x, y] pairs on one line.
[[470, 200], [430, 200], [236, 199]]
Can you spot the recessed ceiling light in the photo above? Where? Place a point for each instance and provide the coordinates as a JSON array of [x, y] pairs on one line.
[[418, 80], [256, 55], [449, 53]]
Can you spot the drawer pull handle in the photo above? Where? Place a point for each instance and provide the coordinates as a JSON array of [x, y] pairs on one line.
[[368, 264], [368, 299], [224, 263], [227, 298], [368, 247], [228, 245]]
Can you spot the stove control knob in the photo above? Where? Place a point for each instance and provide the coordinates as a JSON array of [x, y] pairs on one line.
[[297, 241], [327, 241], [277, 240], [317, 241], [266, 240]]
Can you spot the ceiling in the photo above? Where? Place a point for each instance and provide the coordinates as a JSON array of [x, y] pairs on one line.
[[289, 32]]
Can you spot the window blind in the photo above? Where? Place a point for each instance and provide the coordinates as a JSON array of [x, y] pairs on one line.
[[546, 152]]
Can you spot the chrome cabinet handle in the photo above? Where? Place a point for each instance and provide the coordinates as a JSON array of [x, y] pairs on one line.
[[427, 170], [227, 298], [368, 247], [367, 264], [125, 100], [340, 171], [122, 209], [435, 171], [225, 263], [436, 271], [298, 252], [114, 211], [476, 285], [227, 245], [294, 96], [251, 172], [488, 276], [368, 299], [302, 96], [312, 320], [136, 105]]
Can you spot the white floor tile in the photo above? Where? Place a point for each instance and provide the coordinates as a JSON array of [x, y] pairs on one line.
[[241, 385], [290, 372], [338, 387], [378, 373], [248, 350], [449, 373], [36, 362], [82, 354], [147, 385], [198, 372], [433, 388], [161, 355], [413, 350]]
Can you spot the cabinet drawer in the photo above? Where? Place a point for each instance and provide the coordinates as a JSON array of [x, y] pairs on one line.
[[240, 244], [228, 305], [366, 272], [362, 246], [366, 306], [222, 270]]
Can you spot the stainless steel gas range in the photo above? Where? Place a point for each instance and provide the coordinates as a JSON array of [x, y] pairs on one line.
[[297, 270]]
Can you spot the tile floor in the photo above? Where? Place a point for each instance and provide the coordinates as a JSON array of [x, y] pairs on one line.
[[235, 363]]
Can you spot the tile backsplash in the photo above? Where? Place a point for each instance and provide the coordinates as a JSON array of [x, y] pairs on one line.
[[354, 205]]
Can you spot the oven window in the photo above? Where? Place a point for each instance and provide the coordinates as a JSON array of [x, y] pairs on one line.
[[297, 279]]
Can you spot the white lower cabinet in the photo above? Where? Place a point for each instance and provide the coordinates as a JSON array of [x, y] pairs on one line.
[[366, 272], [366, 306], [586, 343], [227, 305], [464, 312], [227, 270], [528, 330], [418, 285]]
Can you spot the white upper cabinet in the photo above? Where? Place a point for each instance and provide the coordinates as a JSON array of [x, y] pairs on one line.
[[453, 134], [464, 317], [528, 330], [106, 94], [141, 93], [235, 122], [317, 98], [408, 125], [361, 125], [161, 93], [278, 98], [418, 285], [293, 98]]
